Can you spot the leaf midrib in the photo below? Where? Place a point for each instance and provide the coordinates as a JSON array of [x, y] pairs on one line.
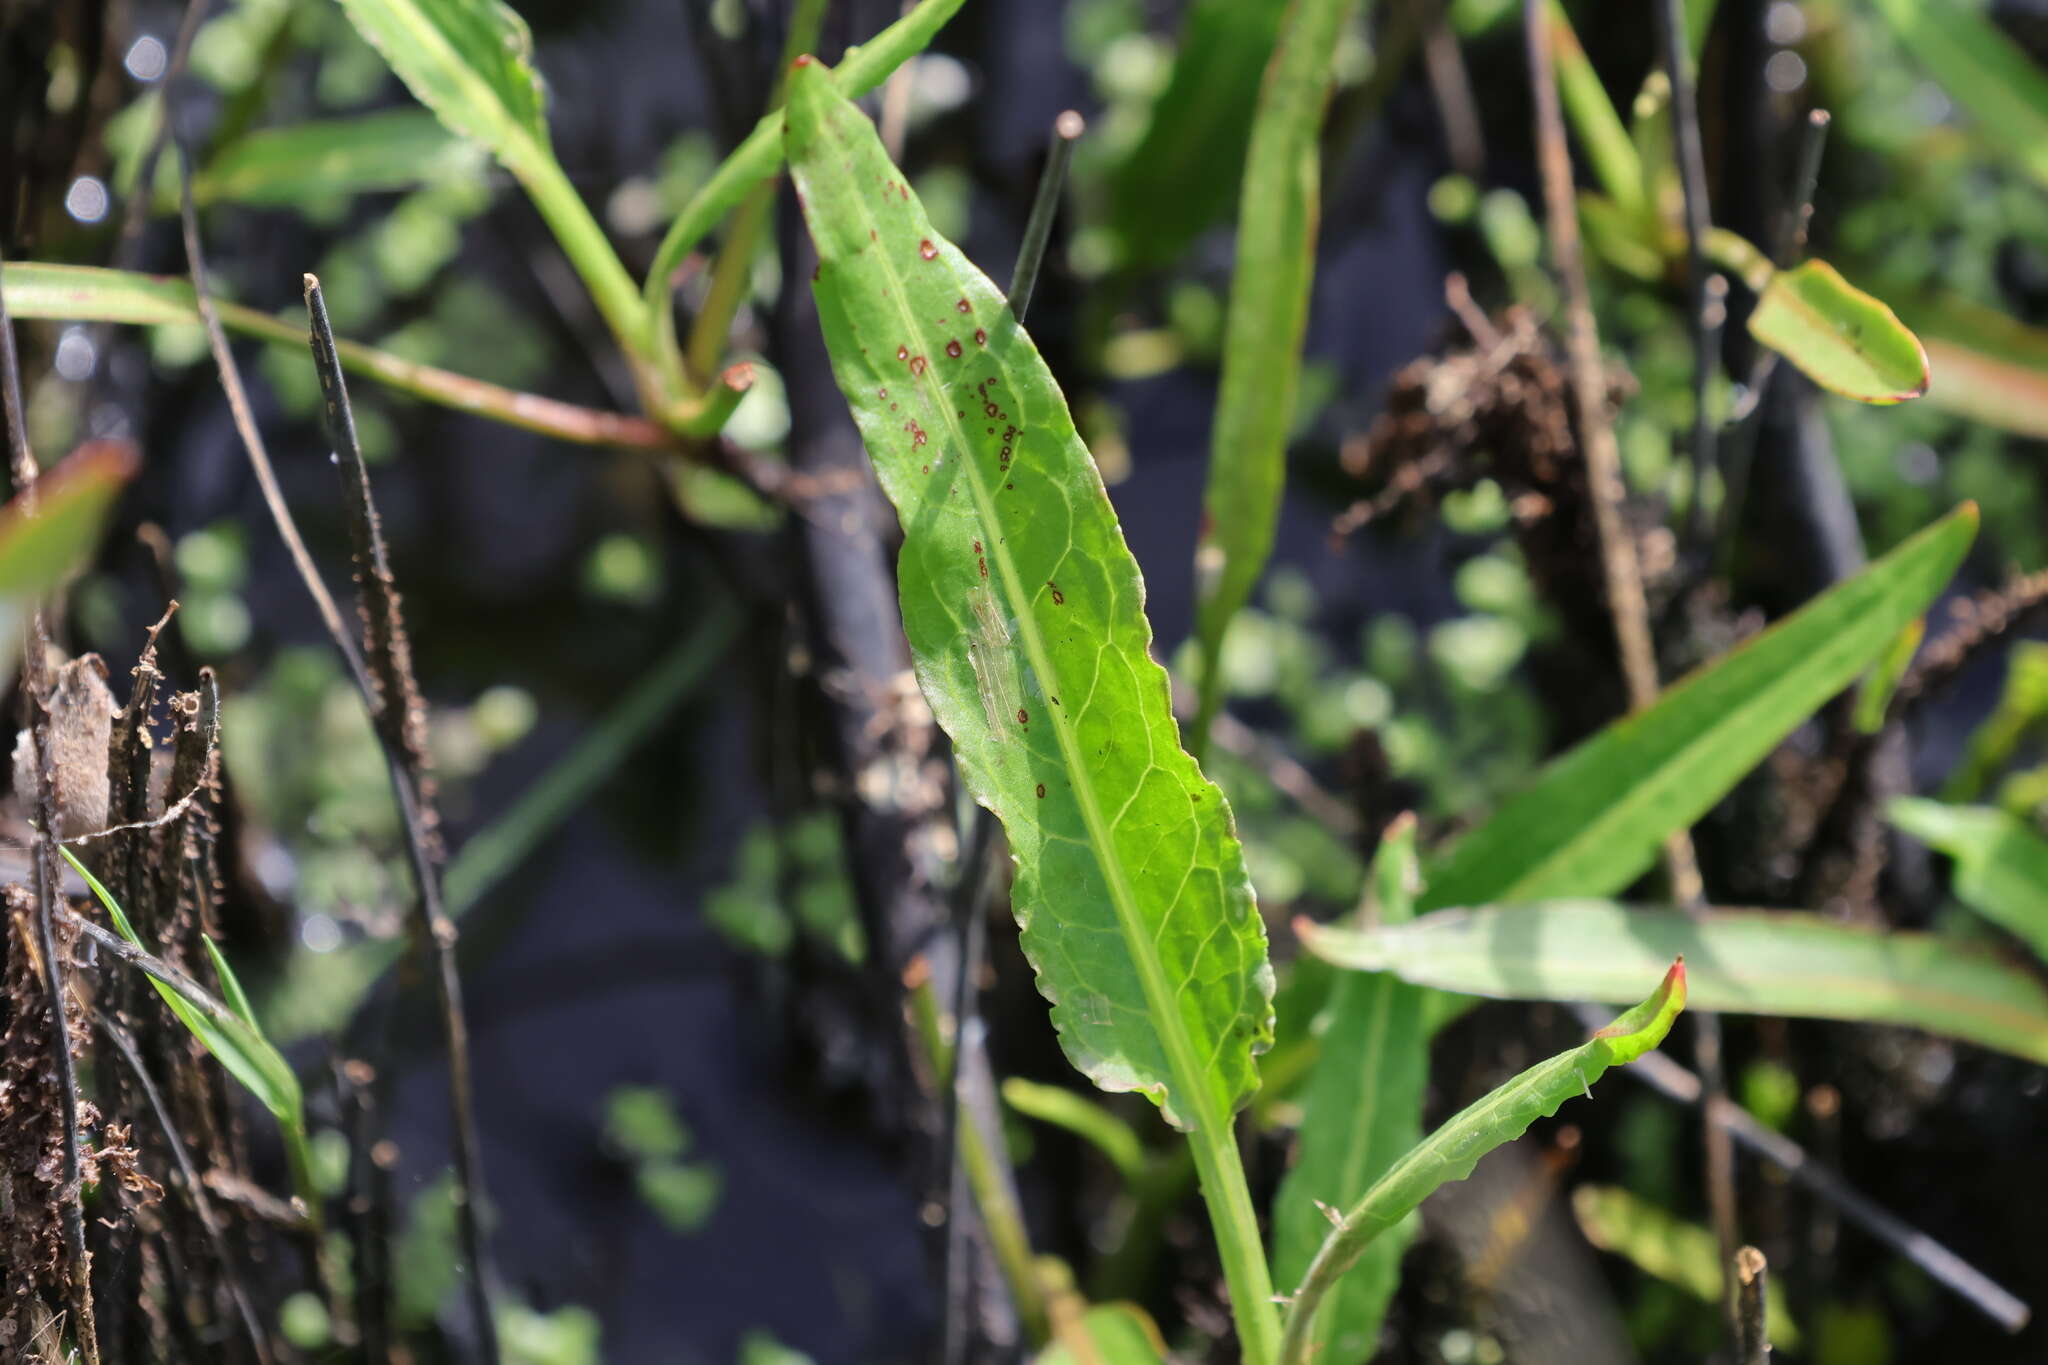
[[1202, 1112]]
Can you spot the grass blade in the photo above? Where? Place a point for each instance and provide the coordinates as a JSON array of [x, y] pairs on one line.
[[1269, 292], [1593, 819], [228, 1034], [1362, 1109], [1024, 612], [2001, 863], [1743, 962], [1453, 1150], [1986, 72]]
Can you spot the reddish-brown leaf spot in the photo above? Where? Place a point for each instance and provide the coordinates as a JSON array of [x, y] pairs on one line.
[[1059, 599], [964, 306], [953, 349], [980, 336], [1023, 716], [903, 353], [1041, 791], [917, 364], [927, 250]]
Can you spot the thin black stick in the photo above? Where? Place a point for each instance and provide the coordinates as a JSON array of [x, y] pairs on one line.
[[400, 720], [35, 718], [203, 1206], [1671, 1080], [1692, 179], [1751, 1319], [1066, 131], [1791, 241], [439, 933]]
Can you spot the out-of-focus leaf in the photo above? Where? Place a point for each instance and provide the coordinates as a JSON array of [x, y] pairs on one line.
[[1111, 1334], [39, 552], [1024, 612], [1741, 961], [1593, 819], [1362, 1110], [1987, 367], [2021, 713], [1666, 1247], [1081, 1116], [1269, 293], [392, 150], [1843, 339], [1453, 1150], [1982, 70], [1874, 697], [2001, 863], [1179, 178]]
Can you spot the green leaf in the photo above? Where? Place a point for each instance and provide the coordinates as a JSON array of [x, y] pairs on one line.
[[1593, 819], [234, 1041], [1269, 294], [1453, 1150], [1179, 177], [1362, 1109], [1681, 1254], [231, 991], [392, 150], [1025, 616], [40, 552], [1843, 339], [1742, 962], [471, 63], [1874, 696], [1110, 1334], [1025, 612], [2001, 863], [1985, 71]]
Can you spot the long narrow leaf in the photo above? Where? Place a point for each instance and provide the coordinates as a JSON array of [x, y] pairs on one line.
[[1742, 962], [1025, 616], [1986, 72], [1843, 339], [233, 1041], [1593, 819], [1178, 180], [1362, 1110], [1269, 292], [2001, 863], [1988, 367], [1453, 1150]]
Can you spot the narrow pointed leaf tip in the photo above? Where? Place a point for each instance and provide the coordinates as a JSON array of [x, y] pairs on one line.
[[1843, 339], [1025, 615], [1452, 1151]]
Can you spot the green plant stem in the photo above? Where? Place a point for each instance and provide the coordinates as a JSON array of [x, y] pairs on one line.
[[584, 242], [735, 267], [91, 294], [993, 1195], [1735, 254], [755, 159], [1236, 1224]]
